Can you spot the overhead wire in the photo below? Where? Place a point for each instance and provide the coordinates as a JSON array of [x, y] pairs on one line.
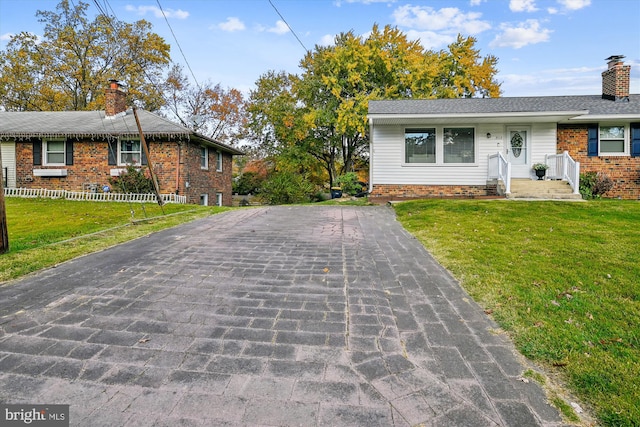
[[288, 26]]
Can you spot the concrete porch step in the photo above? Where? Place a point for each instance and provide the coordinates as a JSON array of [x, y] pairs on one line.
[[545, 189]]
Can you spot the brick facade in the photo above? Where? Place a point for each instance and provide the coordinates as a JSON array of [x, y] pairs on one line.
[[623, 170], [175, 164], [385, 192]]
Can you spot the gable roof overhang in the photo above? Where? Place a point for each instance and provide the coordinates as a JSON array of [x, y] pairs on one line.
[[473, 118]]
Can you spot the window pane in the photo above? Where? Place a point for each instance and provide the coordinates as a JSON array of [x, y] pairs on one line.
[[612, 132], [420, 145], [612, 146], [219, 161], [53, 146], [55, 157], [459, 145], [203, 157]]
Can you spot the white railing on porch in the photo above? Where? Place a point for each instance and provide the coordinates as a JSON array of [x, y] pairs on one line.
[[562, 166], [91, 196], [500, 169]]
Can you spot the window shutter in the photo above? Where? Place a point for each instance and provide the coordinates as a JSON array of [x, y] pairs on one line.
[[592, 145], [113, 152], [37, 152], [635, 139], [68, 153], [143, 156]]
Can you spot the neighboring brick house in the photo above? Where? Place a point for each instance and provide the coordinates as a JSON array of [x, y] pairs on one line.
[[82, 150], [462, 147]]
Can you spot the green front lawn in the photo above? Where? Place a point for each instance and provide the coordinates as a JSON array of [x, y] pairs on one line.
[[45, 232], [562, 278]]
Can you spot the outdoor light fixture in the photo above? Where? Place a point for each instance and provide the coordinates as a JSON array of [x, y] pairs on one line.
[[488, 135]]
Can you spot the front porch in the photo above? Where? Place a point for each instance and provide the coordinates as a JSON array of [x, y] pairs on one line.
[[562, 180]]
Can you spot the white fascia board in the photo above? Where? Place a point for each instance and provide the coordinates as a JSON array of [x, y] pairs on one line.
[[605, 117], [523, 114]]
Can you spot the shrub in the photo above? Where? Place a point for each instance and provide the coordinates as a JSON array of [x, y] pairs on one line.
[[284, 188], [133, 180], [594, 184], [349, 183], [247, 183]]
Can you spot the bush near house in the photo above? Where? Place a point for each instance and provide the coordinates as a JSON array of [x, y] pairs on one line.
[[133, 180], [594, 185]]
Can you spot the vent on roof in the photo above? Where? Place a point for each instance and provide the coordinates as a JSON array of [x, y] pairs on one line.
[[115, 99], [615, 81]]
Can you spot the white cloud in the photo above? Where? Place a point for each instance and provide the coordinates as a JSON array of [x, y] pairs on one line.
[[574, 4], [430, 39], [476, 2], [231, 24], [280, 28], [448, 20], [6, 37], [522, 5], [157, 12], [526, 33], [327, 40]]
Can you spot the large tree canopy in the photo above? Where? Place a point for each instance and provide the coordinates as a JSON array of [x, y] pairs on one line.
[[68, 68], [323, 111], [207, 109]]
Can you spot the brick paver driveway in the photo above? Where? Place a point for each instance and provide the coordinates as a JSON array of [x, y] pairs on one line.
[[312, 316]]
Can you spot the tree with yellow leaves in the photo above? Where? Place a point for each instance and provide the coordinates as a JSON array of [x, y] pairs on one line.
[[68, 68]]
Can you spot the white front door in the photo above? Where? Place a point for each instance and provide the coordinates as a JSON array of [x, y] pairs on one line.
[[518, 151]]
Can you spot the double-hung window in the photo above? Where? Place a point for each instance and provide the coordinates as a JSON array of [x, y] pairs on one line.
[[613, 140], [204, 158], [219, 161], [130, 152], [440, 145], [54, 152]]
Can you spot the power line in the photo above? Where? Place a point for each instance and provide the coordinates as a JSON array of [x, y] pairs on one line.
[[178, 44], [288, 26]]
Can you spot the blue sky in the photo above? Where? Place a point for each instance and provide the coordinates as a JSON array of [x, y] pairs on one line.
[[544, 47]]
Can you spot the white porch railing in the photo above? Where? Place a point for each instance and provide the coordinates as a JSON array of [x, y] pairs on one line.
[[562, 166], [500, 169], [96, 197]]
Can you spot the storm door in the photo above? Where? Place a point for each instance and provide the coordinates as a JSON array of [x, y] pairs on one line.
[[518, 151]]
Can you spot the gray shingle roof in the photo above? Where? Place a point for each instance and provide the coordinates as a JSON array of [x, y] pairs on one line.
[[593, 104], [94, 124]]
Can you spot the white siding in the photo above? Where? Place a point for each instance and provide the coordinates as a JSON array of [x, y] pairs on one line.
[[387, 151], [9, 162]]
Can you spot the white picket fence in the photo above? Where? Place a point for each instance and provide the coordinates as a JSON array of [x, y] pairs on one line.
[[91, 196]]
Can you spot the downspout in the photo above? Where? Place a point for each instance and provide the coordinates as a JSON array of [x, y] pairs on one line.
[[370, 156], [178, 167]]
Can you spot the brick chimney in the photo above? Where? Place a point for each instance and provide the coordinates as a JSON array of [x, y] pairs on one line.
[[115, 99], [615, 81]]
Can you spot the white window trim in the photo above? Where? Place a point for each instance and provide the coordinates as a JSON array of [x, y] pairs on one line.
[[45, 157], [218, 199], [206, 158], [120, 163], [219, 161], [627, 144], [440, 147], [205, 199]]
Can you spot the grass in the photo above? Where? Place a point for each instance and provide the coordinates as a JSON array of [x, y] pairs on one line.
[[561, 278], [46, 232]]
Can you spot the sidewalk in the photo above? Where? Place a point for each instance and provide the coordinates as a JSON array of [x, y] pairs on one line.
[[310, 316]]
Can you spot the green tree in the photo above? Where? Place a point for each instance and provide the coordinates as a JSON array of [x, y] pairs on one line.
[[207, 109], [68, 68], [323, 111]]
